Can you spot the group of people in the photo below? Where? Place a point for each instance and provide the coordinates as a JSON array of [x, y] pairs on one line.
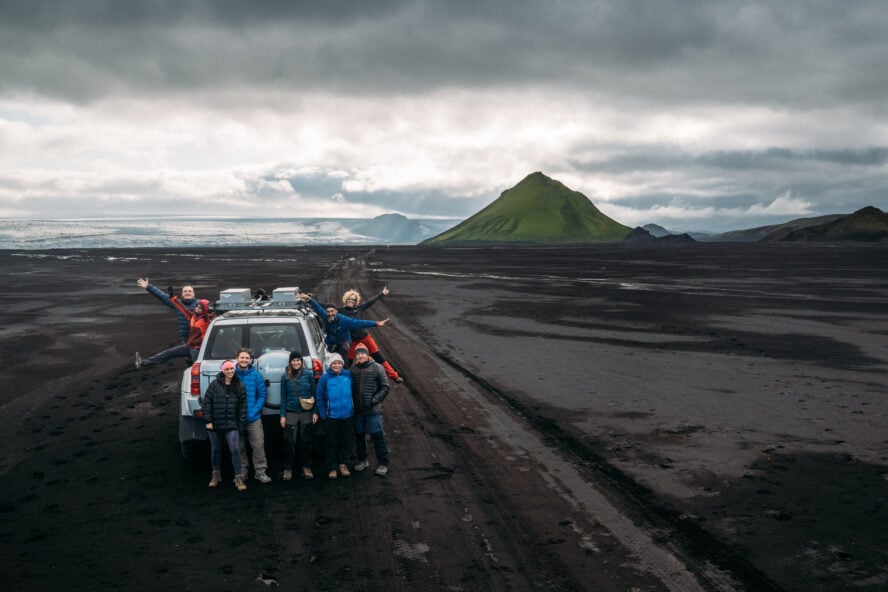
[[344, 407]]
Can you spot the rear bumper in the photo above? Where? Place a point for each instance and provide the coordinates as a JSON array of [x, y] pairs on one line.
[[191, 428]]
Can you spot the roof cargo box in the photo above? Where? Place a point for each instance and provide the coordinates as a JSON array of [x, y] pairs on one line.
[[289, 295], [235, 296]]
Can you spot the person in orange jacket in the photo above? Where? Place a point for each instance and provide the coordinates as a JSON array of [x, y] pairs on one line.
[[198, 322]]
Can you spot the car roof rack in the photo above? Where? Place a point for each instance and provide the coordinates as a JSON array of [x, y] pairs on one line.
[[242, 299]]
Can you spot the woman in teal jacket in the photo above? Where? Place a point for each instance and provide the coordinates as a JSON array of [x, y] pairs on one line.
[[298, 414]]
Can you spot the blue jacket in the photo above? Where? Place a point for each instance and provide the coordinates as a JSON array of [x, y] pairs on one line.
[[289, 397], [339, 331], [357, 312], [256, 392], [334, 395], [184, 326]]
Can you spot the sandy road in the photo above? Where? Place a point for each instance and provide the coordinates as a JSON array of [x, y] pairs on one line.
[[510, 510]]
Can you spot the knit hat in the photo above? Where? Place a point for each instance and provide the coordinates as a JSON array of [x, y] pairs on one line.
[[334, 358], [361, 347], [294, 355], [227, 364]]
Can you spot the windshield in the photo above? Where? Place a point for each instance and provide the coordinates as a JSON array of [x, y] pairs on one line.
[[225, 340]]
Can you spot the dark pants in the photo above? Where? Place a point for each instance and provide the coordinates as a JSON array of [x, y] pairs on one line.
[[298, 429], [179, 351], [232, 438], [372, 424], [339, 441]]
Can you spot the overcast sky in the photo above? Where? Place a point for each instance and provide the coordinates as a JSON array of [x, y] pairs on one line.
[[693, 115]]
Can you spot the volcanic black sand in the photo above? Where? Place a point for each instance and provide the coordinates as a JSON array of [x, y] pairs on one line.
[[705, 417]]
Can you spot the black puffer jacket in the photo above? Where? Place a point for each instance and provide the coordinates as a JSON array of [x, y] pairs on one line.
[[225, 405], [370, 386]]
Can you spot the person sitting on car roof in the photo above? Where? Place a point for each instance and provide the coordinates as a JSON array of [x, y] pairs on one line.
[[353, 307], [189, 300], [198, 321], [338, 327]]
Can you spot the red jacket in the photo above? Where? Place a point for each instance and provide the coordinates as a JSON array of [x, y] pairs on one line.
[[197, 323]]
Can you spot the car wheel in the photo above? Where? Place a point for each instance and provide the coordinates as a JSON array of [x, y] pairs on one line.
[[192, 450]]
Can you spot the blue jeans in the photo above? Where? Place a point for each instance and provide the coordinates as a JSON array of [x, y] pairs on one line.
[[232, 438], [371, 423], [179, 351]]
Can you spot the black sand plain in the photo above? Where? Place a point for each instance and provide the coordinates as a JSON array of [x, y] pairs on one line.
[[705, 417]]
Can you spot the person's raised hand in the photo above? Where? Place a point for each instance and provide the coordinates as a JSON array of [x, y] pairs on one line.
[[142, 282], [385, 290], [382, 322]]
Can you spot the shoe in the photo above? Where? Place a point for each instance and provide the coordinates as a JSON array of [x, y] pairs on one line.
[[262, 478], [239, 483], [343, 470], [382, 470], [307, 474], [397, 379], [288, 475], [362, 465], [332, 475], [216, 479], [138, 361]]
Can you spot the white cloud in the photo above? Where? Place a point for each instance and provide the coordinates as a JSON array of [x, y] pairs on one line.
[[671, 112]]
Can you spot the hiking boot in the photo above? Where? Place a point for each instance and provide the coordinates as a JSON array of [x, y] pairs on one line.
[[332, 475], [362, 465], [216, 479], [307, 474], [343, 470], [138, 361], [263, 478], [239, 483], [288, 475], [382, 470]]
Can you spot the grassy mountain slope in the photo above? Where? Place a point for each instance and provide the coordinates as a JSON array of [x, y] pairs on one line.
[[536, 210]]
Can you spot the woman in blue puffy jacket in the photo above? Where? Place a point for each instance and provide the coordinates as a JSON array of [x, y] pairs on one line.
[[335, 407]]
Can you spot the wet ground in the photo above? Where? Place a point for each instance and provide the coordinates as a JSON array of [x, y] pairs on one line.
[[708, 417]]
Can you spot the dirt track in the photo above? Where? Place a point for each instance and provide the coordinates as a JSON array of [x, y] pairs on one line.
[[489, 489]]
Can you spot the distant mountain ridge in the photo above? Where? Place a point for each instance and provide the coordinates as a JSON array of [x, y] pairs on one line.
[[394, 228], [536, 210], [641, 235], [760, 232], [869, 224]]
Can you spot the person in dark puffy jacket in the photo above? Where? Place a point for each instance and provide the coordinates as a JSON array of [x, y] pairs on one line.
[[298, 414], [335, 407], [225, 412], [370, 386]]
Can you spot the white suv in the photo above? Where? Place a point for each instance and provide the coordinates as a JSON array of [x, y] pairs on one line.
[[271, 329]]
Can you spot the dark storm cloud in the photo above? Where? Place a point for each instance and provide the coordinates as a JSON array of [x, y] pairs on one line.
[[652, 159], [806, 53]]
